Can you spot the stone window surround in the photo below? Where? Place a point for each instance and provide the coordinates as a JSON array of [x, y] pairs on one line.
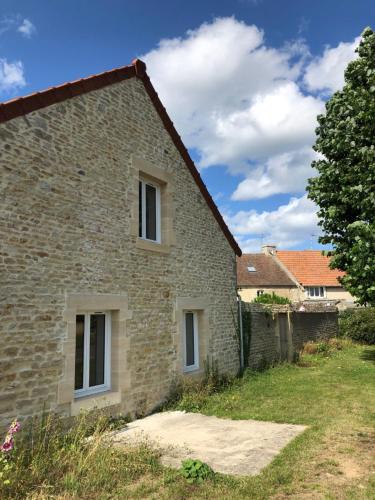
[[117, 304], [142, 169], [201, 306]]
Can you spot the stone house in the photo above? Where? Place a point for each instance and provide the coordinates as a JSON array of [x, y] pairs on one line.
[[299, 275], [117, 271]]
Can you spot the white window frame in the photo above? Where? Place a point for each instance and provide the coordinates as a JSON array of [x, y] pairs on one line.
[[316, 297], [195, 366], [145, 182], [86, 389]]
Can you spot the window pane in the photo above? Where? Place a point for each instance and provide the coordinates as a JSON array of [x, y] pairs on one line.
[[80, 331], [189, 325], [140, 210], [321, 291], [150, 212], [97, 346]]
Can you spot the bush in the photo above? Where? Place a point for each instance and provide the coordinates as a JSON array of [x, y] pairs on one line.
[[358, 324], [268, 298]]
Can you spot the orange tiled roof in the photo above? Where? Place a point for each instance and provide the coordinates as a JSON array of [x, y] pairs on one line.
[[310, 267]]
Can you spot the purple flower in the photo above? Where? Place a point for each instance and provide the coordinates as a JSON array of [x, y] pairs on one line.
[[7, 445], [14, 427]]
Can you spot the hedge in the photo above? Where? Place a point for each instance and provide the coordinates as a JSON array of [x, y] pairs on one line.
[[358, 324]]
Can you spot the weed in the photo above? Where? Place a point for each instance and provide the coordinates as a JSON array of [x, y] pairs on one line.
[[195, 471]]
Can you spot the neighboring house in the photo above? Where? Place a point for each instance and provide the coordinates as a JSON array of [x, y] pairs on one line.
[[308, 270], [259, 273], [117, 271]]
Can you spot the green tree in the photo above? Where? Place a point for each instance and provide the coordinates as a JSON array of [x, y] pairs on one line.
[[344, 189]]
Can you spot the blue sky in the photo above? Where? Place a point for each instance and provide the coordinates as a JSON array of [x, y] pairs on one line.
[[243, 81]]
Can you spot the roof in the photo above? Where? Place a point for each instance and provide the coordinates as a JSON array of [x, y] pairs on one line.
[[267, 271], [24, 105], [310, 267]]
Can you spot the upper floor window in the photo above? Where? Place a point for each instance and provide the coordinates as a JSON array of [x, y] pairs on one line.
[[149, 211], [316, 292], [92, 360]]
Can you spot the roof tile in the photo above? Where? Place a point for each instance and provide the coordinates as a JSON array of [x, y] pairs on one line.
[[310, 267]]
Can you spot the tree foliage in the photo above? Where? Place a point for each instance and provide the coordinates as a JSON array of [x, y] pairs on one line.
[[344, 189]]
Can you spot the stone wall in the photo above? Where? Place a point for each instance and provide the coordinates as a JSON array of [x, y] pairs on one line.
[[273, 325], [68, 198], [313, 326]]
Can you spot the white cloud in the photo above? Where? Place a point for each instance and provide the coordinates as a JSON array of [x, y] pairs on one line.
[[287, 226], [326, 73], [276, 122], [11, 75], [17, 23], [234, 99], [6, 24], [27, 28], [285, 173], [245, 105]]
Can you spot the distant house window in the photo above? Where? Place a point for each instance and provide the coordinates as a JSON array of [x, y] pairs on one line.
[[316, 292], [92, 359], [191, 351], [149, 211], [251, 269], [260, 292]]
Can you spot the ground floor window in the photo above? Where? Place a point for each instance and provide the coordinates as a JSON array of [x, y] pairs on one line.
[[93, 351], [316, 292], [191, 351], [260, 292]]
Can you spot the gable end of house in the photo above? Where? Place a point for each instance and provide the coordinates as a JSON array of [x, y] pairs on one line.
[[23, 105]]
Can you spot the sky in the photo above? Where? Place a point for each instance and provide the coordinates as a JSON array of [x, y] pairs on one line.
[[242, 80]]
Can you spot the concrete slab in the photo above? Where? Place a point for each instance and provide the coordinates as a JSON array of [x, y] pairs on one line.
[[237, 447]]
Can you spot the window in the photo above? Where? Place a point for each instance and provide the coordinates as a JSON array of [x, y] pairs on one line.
[[149, 211], [191, 353], [316, 292], [251, 269], [260, 292], [93, 346]]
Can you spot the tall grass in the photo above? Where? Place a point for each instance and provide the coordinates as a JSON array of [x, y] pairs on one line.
[[50, 459]]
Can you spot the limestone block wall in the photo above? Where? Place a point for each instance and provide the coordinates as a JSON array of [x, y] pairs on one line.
[[313, 326], [263, 349], [317, 321], [68, 191]]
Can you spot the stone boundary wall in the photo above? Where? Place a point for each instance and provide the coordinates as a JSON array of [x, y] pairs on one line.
[[278, 332]]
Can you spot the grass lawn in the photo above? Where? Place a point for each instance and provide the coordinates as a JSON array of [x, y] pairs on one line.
[[333, 458]]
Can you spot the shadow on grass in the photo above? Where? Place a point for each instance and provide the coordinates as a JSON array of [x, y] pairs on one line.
[[368, 355]]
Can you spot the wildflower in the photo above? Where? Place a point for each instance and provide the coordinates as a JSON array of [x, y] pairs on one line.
[[7, 445], [15, 426]]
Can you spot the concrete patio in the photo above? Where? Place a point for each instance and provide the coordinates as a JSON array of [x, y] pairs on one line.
[[236, 447]]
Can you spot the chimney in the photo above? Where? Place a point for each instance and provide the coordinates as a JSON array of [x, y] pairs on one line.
[[269, 249]]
